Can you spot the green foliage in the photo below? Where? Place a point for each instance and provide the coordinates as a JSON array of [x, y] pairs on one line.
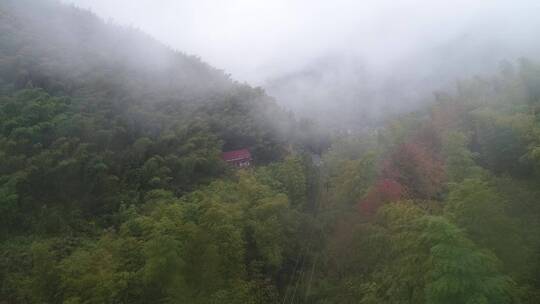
[[459, 159], [502, 140], [459, 272], [289, 177], [479, 210], [198, 249], [409, 256], [352, 183]]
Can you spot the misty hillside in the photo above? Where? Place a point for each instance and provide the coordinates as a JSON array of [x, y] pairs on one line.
[[67, 51], [96, 119], [347, 90], [45, 41], [133, 173], [108, 90]]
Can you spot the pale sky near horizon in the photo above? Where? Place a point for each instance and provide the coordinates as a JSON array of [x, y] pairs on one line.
[[256, 40]]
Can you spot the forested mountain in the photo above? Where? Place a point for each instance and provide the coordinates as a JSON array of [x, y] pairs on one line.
[[102, 130], [366, 82], [111, 100], [112, 188]]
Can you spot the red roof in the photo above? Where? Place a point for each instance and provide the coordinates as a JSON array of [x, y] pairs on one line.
[[235, 155]]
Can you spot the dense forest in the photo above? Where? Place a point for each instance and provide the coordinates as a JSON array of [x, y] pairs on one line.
[[112, 188]]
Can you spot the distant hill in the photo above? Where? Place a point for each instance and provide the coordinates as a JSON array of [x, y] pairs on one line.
[[347, 90]]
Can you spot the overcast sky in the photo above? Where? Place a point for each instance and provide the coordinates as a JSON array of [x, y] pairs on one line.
[[256, 40]]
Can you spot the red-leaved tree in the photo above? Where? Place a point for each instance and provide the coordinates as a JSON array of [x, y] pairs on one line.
[[384, 191], [412, 171], [417, 168]]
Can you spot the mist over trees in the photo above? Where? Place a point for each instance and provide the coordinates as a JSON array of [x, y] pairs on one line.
[[346, 64], [346, 90], [113, 188]]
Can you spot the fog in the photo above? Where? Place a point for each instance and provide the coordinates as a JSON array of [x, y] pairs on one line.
[[340, 61]]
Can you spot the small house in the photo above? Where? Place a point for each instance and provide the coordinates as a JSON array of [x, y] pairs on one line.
[[238, 158]]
